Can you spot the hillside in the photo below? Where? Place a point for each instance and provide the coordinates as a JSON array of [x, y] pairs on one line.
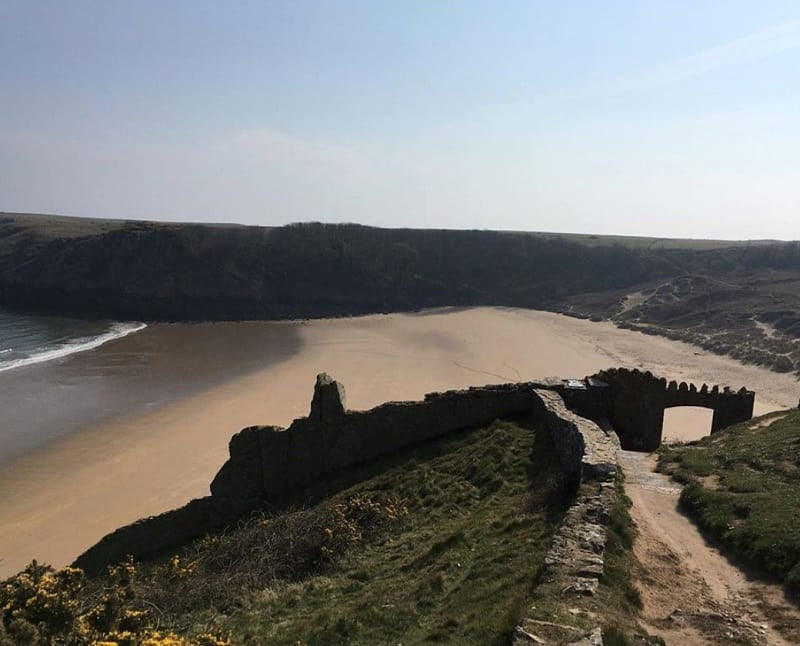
[[443, 545], [733, 298], [743, 488]]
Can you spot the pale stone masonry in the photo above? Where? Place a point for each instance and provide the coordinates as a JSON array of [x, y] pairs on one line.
[[586, 451], [575, 562]]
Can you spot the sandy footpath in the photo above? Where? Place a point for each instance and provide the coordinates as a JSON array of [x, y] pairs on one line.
[[59, 499], [692, 594]]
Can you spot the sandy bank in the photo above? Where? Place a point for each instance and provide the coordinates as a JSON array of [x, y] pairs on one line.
[[62, 497]]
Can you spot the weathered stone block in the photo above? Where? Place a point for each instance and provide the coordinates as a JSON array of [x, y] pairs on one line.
[[241, 476], [274, 447]]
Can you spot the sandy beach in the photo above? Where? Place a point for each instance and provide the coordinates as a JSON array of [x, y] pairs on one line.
[[164, 434]]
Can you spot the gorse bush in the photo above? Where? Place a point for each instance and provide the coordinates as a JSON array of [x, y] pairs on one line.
[[43, 606], [265, 549]]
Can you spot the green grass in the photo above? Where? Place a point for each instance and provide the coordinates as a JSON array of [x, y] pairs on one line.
[[643, 242], [458, 568], [63, 226], [743, 488], [444, 545]]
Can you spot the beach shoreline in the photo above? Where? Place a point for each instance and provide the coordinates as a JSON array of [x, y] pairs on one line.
[[118, 330], [63, 495], [157, 365]]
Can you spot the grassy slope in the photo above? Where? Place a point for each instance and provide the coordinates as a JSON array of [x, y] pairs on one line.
[[457, 568], [444, 545], [744, 489]]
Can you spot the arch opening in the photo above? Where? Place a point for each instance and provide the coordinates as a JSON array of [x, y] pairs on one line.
[[686, 423]]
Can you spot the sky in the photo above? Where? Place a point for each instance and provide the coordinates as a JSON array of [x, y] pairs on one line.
[[669, 118]]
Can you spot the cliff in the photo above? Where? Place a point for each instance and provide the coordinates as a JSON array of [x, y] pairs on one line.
[[730, 298], [150, 271]]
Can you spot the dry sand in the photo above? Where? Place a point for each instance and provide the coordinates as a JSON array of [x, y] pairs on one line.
[[60, 498]]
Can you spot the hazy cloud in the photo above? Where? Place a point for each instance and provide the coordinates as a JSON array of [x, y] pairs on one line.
[[762, 44]]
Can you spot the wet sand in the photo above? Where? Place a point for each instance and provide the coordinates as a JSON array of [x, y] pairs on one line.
[[156, 366], [61, 497]]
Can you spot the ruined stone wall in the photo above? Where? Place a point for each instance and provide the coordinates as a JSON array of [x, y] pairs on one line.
[[150, 536], [271, 464], [638, 400], [266, 461], [575, 561], [585, 451], [730, 407]]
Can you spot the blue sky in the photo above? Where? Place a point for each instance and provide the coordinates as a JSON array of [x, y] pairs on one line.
[[672, 118]]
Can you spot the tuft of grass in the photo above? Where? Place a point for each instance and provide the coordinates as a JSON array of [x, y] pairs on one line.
[[618, 557], [753, 507]]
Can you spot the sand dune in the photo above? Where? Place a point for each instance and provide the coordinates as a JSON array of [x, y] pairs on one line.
[[60, 498]]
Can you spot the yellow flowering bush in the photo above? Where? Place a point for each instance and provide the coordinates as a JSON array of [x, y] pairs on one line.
[[43, 606], [131, 604], [156, 638], [355, 516]]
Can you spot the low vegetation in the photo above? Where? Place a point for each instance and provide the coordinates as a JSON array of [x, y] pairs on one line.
[[444, 545], [748, 312], [743, 488]]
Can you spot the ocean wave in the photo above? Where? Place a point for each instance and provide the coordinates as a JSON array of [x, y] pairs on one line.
[[117, 331]]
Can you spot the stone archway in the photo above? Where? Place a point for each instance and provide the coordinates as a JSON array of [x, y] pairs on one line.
[[639, 400]]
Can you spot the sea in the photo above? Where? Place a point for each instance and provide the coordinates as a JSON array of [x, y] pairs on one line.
[[28, 339]]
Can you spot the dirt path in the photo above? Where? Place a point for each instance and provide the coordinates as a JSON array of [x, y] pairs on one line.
[[691, 593]]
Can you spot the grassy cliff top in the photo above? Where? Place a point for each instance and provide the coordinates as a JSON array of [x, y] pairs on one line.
[[63, 226], [736, 298]]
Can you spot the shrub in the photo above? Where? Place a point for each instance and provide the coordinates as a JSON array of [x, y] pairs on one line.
[[44, 606]]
